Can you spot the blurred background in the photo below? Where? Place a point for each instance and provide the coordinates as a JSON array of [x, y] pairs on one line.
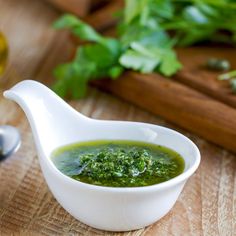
[[194, 101]]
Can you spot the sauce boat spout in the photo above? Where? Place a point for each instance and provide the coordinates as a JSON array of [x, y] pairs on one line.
[[54, 124], [49, 116]]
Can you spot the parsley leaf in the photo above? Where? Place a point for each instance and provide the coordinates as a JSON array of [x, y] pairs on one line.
[[77, 27], [135, 60], [148, 32], [92, 61], [170, 63]]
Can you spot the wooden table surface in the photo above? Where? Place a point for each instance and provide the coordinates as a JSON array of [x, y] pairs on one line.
[[207, 205]]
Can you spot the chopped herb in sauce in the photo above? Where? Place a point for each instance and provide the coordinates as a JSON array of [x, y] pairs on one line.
[[118, 163]]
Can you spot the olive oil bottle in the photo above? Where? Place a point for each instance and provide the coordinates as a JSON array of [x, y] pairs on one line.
[[3, 53]]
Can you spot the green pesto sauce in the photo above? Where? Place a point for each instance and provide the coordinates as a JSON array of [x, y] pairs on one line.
[[118, 163]]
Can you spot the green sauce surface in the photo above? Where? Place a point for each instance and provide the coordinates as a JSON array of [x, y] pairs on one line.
[[117, 163]]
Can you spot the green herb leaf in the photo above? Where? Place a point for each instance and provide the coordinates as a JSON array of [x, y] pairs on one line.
[[77, 27], [147, 34], [132, 59], [147, 59], [133, 9], [115, 71], [227, 75], [92, 61], [170, 64]]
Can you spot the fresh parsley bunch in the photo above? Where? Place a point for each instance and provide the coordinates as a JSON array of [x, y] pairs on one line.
[[147, 33]]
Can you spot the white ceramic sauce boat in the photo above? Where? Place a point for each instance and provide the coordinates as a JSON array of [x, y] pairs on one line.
[[54, 123]]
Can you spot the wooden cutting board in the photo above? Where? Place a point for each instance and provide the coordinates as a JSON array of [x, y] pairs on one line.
[[180, 101], [206, 206], [193, 99], [78, 7]]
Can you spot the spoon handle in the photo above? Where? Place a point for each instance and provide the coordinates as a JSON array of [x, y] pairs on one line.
[[9, 141], [2, 157]]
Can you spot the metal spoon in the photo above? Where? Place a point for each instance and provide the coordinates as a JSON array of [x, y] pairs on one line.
[[9, 141]]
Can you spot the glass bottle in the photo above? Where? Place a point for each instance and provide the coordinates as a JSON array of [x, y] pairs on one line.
[[3, 53]]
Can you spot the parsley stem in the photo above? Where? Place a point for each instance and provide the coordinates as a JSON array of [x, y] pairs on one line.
[[228, 75]]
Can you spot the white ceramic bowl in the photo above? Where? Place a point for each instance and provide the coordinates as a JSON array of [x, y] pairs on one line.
[[55, 124]]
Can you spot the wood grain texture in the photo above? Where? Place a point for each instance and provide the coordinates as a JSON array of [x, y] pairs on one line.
[[104, 18], [206, 205], [179, 104], [195, 75], [78, 7], [193, 99]]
